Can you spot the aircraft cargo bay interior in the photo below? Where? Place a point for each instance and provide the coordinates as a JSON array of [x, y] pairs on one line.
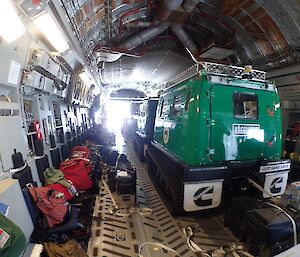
[[149, 128]]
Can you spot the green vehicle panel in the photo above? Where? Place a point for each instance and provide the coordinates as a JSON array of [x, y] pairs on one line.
[[201, 122], [263, 139], [145, 122]]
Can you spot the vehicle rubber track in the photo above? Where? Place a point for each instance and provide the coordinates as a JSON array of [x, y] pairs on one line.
[[170, 181]]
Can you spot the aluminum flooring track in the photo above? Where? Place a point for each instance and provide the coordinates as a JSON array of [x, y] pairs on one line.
[[114, 236]]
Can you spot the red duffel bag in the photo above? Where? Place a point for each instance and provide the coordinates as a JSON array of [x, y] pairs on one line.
[[76, 164], [50, 203], [80, 152], [60, 188], [77, 171]]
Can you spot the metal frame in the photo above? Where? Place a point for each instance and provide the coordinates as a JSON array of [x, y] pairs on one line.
[[231, 71], [189, 73], [215, 69]]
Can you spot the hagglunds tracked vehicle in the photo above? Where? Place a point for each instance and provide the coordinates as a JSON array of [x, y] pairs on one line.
[[217, 125], [145, 125]]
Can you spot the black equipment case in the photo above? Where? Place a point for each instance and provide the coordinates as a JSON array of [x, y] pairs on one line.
[[266, 230], [235, 217], [269, 228]]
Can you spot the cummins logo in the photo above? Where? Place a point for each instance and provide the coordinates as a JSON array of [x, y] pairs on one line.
[[276, 185], [204, 196]]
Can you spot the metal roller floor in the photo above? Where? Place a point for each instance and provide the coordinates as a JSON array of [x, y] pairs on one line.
[[114, 236]]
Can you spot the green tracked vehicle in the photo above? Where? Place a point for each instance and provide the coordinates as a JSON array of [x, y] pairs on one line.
[[145, 125], [217, 125]]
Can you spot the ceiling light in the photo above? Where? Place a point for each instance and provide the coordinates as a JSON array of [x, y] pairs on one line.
[[11, 26], [84, 77], [51, 31]]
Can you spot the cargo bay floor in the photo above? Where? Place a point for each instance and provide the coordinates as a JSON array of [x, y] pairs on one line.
[[121, 236]]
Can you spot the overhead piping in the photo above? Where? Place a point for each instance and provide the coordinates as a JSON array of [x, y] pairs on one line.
[[163, 14], [190, 5], [131, 16], [168, 7], [183, 37], [144, 36], [140, 24]]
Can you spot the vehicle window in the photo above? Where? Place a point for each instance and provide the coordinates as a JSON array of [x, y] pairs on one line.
[[245, 106], [161, 108], [165, 111], [177, 105]]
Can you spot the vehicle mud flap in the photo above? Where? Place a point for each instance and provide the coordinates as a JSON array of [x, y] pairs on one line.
[[202, 195], [275, 183]]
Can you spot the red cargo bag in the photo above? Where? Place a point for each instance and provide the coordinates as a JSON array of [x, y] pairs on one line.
[[78, 164], [80, 152], [50, 203], [77, 171], [60, 188]]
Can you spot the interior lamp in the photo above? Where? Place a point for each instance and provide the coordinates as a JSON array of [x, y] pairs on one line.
[[11, 26], [51, 31]]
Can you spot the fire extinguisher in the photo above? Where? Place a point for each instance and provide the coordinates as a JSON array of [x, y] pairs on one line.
[[37, 129]]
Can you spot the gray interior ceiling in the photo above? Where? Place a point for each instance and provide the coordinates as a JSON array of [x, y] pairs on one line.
[[144, 43], [153, 67]]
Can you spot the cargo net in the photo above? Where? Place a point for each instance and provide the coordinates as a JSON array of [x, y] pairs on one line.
[[215, 69]]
